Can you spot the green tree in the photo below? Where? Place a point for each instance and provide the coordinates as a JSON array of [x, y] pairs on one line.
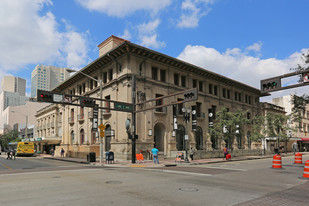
[[227, 123], [303, 67], [11, 136]]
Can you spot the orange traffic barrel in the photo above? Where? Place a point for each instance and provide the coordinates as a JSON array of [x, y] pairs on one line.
[[306, 169], [298, 159], [277, 161]]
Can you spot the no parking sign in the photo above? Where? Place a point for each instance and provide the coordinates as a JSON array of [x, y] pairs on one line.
[[306, 77]]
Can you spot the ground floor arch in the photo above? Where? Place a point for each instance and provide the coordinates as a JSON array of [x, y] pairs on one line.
[[159, 136]]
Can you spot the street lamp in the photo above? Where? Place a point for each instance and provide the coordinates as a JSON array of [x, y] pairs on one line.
[[26, 129], [186, 115], [101, 97]]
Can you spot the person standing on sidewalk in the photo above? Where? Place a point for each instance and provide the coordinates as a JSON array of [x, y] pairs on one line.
[[225, 151], [192, 151], [62, 152], [154, 152]]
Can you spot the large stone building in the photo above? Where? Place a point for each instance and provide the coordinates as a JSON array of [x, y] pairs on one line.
[[156, 75]]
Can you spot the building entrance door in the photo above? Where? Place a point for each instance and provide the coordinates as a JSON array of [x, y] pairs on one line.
[[180, 138], [159, 134], [108, 138]]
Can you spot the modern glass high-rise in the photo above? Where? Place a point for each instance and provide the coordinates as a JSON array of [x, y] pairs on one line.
[[47, 78]]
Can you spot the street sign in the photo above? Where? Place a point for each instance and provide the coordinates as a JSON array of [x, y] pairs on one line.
[[67, 99], [57, 97], [120, 106], [306, 77], [95, 118], [102, 133], [102, 126]]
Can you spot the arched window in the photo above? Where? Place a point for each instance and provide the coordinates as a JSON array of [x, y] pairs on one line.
[[199, 138], [180, 138], [82, 136], [72, 137]]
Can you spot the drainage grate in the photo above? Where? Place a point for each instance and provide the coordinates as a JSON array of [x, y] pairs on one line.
[[113, 182], [188, 189], [56, 177]]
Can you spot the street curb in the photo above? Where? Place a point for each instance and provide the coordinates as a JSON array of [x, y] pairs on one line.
[[66, 160]]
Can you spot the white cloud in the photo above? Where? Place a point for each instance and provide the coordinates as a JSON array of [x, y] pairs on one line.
[[147, 33], [122, 8], [30, 36], [192, 12], [238, 65], [255, 47]]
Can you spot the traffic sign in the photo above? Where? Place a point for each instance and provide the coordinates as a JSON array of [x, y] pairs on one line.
[[306, 77], [102, 133], [102, 127], [67, 99]]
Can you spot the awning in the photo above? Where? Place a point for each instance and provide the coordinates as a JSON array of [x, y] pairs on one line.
[[305, 139]]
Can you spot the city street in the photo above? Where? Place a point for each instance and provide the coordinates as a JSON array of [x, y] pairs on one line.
[[37, 181]]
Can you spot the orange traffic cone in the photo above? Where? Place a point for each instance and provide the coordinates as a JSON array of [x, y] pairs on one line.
[[298, 159], [277, 161], [306, 169]]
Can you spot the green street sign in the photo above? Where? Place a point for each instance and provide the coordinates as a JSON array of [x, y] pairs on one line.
[[125, 107]]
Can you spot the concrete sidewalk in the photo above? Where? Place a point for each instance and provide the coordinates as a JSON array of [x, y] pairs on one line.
[[163, 163]]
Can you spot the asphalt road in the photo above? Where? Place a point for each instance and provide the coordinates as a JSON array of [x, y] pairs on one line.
[[49, 182]]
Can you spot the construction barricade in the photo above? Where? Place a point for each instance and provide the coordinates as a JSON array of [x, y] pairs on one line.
[[277, 163], [306, 169], [298, 159], [179, 157], [140, 158]]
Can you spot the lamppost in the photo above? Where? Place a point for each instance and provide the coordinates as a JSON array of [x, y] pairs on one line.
[[186, 115], [101, 112], [26, 128]]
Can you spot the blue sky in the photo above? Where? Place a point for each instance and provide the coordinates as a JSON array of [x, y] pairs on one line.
[[246, 40]]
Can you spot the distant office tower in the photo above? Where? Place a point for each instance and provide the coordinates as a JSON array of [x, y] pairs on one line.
[[14, 84], [47, 78]]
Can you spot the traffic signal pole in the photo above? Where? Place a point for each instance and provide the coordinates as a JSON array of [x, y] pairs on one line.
[[133, 119]]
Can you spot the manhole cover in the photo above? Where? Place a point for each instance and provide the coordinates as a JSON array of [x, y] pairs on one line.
[[113, 182], [188, 189]]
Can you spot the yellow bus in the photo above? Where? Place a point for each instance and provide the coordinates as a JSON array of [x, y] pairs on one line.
[[25, 148]]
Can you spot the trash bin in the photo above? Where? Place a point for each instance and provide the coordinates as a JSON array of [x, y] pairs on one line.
[[91, 157]]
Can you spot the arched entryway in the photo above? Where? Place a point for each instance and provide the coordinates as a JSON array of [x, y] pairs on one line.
[[159, 133], [82, 136], [108, 137], [199, 138], [180, 138]]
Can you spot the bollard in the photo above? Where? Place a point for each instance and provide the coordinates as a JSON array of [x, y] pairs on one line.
[[298, 159], [277, 163]]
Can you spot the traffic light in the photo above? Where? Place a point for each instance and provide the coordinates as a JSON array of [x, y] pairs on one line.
[[86, 102], [44, 96], [272, 84], [191, 95]]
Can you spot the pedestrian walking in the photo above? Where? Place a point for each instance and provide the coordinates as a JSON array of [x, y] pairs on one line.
[[62, 152], [225, 151], [52, 152], [154, 152], [192, 152]]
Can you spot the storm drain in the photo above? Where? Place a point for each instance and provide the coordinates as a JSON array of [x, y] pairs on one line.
[[56, 177], [113, 182], [188, 189]]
